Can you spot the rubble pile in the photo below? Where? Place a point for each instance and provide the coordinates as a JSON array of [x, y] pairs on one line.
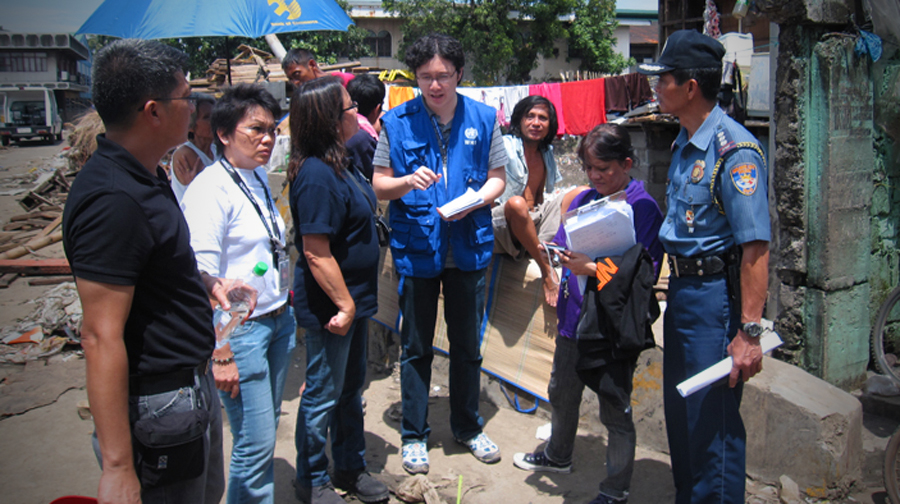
[[54, 323], [250, 66]]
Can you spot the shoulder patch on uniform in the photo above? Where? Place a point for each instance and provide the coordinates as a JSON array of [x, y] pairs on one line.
[[745, 178]]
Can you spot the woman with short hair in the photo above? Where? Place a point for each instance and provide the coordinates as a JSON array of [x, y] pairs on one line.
[[235, 225]]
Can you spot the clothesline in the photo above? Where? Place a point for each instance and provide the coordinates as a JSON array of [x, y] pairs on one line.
[[580, 105]]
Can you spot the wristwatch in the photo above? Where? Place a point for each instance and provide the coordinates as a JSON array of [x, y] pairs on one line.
[[753, 329]]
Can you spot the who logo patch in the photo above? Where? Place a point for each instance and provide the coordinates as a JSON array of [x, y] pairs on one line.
[[745, 178]]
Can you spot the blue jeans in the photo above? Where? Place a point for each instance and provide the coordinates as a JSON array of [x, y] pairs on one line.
[[262, 351], [565, 390], [209, 486], [463, 312], [707, 440], [332, 403]]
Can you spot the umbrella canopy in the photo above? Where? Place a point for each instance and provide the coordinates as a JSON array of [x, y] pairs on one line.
[[155, 19]]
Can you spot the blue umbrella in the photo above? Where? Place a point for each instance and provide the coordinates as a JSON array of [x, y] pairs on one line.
[[154, 19]]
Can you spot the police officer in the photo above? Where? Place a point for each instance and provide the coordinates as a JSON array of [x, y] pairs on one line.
[[716, 233]]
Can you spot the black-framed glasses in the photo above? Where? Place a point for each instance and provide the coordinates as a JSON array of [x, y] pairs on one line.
[[352, 106], [190, 99], [442, 79]]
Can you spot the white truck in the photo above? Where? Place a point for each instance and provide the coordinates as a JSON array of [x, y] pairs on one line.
[[28, 113]]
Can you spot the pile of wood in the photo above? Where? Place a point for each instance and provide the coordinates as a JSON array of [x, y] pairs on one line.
[[24, 234], [35, 229], [252, 65]]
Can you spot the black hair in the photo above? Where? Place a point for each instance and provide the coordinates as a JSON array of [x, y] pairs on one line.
[[129, 72], [296, 57], [368, 91], [523, 108], [606, 142], [234, 104], [316, 111], [437, 44], [709, 80]]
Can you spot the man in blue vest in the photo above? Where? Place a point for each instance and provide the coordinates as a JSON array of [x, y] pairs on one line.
[[716, 233], [432, 150]]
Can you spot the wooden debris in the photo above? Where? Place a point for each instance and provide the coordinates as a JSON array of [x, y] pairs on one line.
[[7, 278], [35, 267], [251, 65], [50, 280], [32, 245], [50, 189]]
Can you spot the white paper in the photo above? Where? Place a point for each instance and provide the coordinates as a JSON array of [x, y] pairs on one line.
[[602, 229], [468, 200], [769, 341]]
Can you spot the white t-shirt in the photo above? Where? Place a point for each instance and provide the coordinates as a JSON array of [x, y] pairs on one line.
[[227, 235]]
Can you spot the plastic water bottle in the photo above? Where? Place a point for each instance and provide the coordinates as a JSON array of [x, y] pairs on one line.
[[225, 322]]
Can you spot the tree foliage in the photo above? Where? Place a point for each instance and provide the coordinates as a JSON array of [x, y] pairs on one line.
[[592, 37], [504, 38]]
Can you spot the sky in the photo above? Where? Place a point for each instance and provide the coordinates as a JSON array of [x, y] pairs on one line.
[[45, 16]]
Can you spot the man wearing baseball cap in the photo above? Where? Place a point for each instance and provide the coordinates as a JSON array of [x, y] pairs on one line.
[[716, 233]]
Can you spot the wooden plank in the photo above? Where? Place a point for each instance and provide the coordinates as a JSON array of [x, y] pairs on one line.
[[6, 279], [34, 214], [50, 227], [35, 267], [50, 280]]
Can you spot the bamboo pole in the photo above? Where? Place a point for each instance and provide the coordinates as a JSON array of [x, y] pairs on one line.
[[31, 246]]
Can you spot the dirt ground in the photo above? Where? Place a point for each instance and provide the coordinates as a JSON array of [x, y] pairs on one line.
[[45, 449]]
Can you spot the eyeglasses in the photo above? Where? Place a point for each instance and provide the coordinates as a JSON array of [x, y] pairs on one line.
[[190, 99], [352, 106], [442, 79], [258, 132]]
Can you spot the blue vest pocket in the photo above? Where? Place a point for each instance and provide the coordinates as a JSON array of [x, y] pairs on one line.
[[413, 235]]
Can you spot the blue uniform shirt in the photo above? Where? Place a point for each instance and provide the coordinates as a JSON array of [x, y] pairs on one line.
[[694, 226]]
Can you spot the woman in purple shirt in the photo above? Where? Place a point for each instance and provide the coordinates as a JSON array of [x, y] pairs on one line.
[[607, 157]]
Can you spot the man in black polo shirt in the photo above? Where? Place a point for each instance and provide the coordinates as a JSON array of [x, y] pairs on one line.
[[147, 332]]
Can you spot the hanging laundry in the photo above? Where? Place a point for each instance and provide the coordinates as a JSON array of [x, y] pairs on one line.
[[398, 95], [711, 20], [513, 94], [626, 92], [551, 91], [584, 105], [493, 96]]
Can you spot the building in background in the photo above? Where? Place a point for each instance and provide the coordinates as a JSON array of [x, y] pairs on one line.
[[56, 61]]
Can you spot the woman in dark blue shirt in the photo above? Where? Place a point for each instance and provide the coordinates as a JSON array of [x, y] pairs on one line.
[[335, 291]]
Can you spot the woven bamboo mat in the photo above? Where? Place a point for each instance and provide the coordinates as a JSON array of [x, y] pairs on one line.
[[518, 337]]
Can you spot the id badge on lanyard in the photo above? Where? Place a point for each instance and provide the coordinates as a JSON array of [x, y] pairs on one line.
[[283, 264]]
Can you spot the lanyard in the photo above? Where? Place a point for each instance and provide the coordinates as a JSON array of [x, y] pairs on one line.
[[274, 237], [444, 142]]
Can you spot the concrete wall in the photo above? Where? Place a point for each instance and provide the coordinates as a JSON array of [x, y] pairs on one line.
[[834, 251]]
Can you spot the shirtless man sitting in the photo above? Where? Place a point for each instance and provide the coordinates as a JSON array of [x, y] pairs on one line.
[[522, 219]]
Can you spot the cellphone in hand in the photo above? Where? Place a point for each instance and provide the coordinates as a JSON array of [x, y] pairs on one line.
[[554, 247]]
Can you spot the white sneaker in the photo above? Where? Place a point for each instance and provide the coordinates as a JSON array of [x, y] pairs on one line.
[[483, 448], [415, 457]]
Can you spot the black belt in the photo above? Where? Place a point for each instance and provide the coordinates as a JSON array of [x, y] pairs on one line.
[[700, 266], [274, 313], [157, 384]]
